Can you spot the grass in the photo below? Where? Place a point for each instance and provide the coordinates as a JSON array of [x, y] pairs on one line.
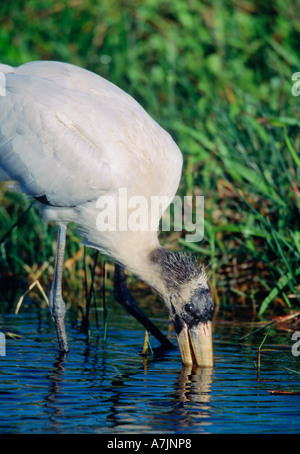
[[258, 354], [217, 75]]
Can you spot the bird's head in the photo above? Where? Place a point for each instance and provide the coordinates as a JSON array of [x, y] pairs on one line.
[[190, 304]]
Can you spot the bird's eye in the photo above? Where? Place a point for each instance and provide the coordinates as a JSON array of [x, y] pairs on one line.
[[188, 308]]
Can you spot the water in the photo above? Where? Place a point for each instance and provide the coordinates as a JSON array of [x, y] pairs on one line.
[[109, 388]]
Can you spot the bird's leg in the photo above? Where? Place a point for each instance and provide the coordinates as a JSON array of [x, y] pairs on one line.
[[56, 302], [124, 297]]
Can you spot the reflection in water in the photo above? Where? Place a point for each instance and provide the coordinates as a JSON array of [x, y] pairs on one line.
[[184, 404], [194, 387], [56, 377], [106, 388], [194, 384]]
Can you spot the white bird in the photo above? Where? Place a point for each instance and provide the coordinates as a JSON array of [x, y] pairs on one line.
[[72, 141]]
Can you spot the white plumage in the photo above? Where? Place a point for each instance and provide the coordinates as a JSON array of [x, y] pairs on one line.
[[73, 136], [68, 137]]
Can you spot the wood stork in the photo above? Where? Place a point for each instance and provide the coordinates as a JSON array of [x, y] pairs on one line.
[[70, 139]]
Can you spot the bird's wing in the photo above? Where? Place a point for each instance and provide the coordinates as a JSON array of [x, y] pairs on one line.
[[70, 135]]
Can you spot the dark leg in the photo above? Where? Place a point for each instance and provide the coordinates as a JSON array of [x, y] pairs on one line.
[[56, 302], [124, 297]]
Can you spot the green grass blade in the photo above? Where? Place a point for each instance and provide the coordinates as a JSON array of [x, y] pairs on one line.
[[276, 290]]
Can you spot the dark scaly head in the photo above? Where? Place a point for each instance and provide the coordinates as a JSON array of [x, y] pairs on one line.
[[190, 303]]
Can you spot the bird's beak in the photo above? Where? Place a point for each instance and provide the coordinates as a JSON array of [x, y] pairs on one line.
[[195, 344]]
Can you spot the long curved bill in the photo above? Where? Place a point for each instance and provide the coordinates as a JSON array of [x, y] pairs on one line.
[[195, 344]]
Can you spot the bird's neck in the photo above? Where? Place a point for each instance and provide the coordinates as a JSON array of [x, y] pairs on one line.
[[138, 252], [145, 264]]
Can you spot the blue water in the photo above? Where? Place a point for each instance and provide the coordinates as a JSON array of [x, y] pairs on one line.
[[107, 387]]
